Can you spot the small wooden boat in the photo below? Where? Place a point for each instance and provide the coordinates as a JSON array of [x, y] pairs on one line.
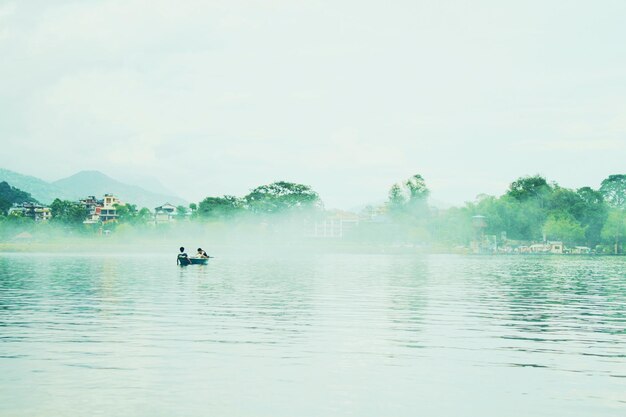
[[193, 261], [199, 261]]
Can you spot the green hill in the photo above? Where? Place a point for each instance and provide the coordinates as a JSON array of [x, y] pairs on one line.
[[10, 195], [41, 190]]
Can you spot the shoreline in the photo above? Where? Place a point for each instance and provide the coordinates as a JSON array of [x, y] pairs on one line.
[[116, 246]]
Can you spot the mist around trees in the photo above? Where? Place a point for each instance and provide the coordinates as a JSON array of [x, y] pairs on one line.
[[531, 210]]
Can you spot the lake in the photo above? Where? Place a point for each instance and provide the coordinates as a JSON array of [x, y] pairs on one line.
[[318, 335]]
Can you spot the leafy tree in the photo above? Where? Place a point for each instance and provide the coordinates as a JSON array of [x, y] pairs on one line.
[[282, 196], [181, 212], [144, 216], [523, 220], [5, 205], [409, 199], [58, 208], [564, 228], [396, 199], [593, 214], [408, 207], [497, 214], [613, 189], [126, 213], [67, 212], [416, 187], [219, 207], [563, 201], [532, 187], [614, 228], [417, 204]]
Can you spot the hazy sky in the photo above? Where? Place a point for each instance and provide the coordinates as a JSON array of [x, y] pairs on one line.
[[217, 97]]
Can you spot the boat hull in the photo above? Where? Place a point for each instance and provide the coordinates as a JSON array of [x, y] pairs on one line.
[[194, 261]]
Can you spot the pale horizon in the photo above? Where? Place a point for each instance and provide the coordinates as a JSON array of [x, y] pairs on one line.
[[347, 97]]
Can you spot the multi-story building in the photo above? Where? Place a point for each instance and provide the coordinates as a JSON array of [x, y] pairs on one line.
[[37, 212], [92, 209], [108, 212]]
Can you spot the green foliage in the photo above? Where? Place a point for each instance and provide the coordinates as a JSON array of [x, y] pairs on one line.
[[410, 199], [614, 228], [592, 215], [10, 195], [144, 216], [613, 189], [125, 212], [529, 188], [531, 208], [416, 187], [453, 226], [67, 212], [563, 228], [519, 219], [407, 207], [128, 214], [282, 197], [13, 224], [397, 200], [5, 205], [181, 212], [224, 207]]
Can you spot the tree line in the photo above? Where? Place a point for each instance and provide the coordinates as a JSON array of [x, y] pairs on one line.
[[531, 210], [278, 198]]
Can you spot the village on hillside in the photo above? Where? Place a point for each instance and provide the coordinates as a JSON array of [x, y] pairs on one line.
[[97, 210]]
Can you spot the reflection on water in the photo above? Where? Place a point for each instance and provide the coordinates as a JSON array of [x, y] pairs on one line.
[[362, 335]]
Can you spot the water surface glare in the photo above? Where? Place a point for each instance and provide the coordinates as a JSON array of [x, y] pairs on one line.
[[322, 335]]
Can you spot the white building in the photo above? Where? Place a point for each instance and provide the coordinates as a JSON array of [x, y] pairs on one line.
[[108, 212], [165, 213], [335, 225], [37, 212]]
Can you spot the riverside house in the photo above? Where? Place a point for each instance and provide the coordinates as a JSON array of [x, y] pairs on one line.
[[37, 212], [97, 211], [108, 212], [92, 208], [165, 213]]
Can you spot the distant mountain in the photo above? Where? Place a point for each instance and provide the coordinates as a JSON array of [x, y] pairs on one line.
[[96, 183], [41, 190], [86, 183], [147, 183]]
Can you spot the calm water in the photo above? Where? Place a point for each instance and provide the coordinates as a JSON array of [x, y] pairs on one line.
[[328, 335]]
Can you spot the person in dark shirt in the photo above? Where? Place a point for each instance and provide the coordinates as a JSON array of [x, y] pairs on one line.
[[201, 254], [183, 258]]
